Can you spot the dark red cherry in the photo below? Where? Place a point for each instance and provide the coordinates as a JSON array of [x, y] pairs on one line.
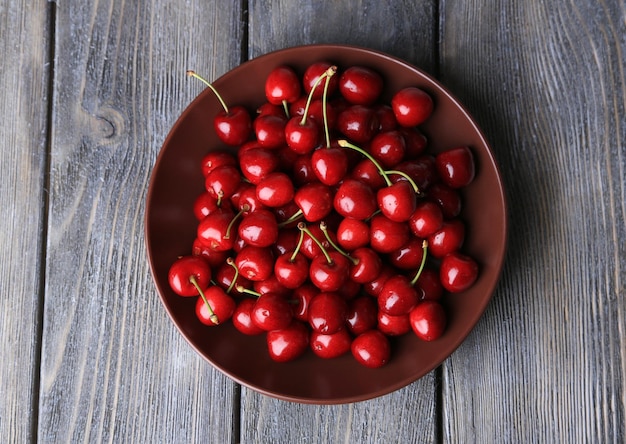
[[371, 349], [222, 306], [386, 118], [386, 235], [329, 165], [270, 131], [367, 267], [327, 312], [421, 170], [362, 314], [256, 163], [398, 296], [315, 201], [409, 256], [428, 285], [458, 272], [449, 238], [302, 297], [310, 248], [329, 276], [353, 234], [225, 275], [311, 76], [204, 205], [388, 148], [216, 231], [358, 123], [456, 166], [255, 263], [223, 181], [213, 257], [291, 270], [271, 285], [366, 171], [448, 199], [275, 190], [428, 320], [242, 318], [288, 343], [329, 346], [184, 271], [426, 219], [393, 325], [397, 201], [302, 170], [302, 136], [415, 141], [360, 85], [271, 311], [259, 228], [355, 199], [217, 158], [282, 85], [374, 287], [412, 106]]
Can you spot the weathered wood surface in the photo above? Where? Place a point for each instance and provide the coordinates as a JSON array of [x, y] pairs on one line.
[[88, 353]]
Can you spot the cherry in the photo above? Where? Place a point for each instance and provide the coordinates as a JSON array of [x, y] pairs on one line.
[[447, 239], [458, 272], [374, 287], [329, 346], [361, 315], [255, 263], [426, 219], [327, 312], [242, 318], [282, 85], [421, 170], [286, 242], [371, 349], [214, 306], [368, 172], [270, 131], [398, 201], [302, 297], [216, 158], [302, 135], [232, 126], [358, 123], [312, 240], [355, 199], [214, 258], [275, 190], [288, 343], [271, 311], [188, 273], [291, 269], [271, 285], [388, 148], [247, 200], [223, 181], [214, 231], [259, 228], [353, 234], [412, 106], [329, 273], [256, 163], [415, 142], [456, 166], [409, 256], [228, 277], [386, 235], [429, 285], [393, 325], [330, 165], [312, 76], [447, 198], [428, 320], [315, 201], [360, 85], [398, 296], [366, 265], [386, 118], [302, 171], [204, 205]]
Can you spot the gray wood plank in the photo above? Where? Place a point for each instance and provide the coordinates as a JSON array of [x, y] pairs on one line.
[[548, 361], [24, 39], [114, 368], [404, 29]]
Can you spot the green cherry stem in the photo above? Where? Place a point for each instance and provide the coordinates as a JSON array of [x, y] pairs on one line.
[[424, 255], [191, 73], [324, 229], [243, 290], [230, 261], [302, 227], [212, 314], [407, 177], [329, 72], [298, 246], [294, 217], [244, 208], [345, 144]]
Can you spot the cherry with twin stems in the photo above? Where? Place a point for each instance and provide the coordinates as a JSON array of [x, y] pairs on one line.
[[292, 268], [232, 125]]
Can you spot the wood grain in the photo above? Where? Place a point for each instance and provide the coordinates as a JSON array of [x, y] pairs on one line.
[[114, 368], [546, 81], [24, 30]]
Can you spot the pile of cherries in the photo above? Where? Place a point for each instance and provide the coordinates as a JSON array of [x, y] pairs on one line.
[[326, 224]]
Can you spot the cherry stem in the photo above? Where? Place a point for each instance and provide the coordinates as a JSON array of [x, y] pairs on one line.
[[286, 108], [230, 261], [191, 73], [220, 196], [424, 255], [407, 177], [298, 245], [346, 144], [212, 315], [241, 289], [302, 227], [330, 72], [244, 209], [324, 229], [294, 217]]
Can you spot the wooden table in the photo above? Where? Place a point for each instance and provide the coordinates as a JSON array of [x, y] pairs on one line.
[[89, 92]]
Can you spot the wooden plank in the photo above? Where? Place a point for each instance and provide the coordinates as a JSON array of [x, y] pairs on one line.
[[114, 368], [24, 39], [404, 29], [547, 362]]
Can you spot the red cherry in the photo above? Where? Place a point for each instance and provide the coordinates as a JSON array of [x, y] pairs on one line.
[[247, 201], [398, 296], [358, 123], [397, 201], [386, 235], [362, 314], [456, 166], [367, 265], [288, 343], [309, 247], [255, 263], [226, 274], [259, 228], [302, 297], [360, 85], [428, 320], [282, 85], [286, 241], [415, 141], [216, 158], [329, 276], [271, 285], [353, 234], [242, 318], [355, 199], [184, 271], [204, 205], [223, 181], [302, 136], [409, 256], [386, 118], [428, 285], [329, 346], [421, 170], [329, 165], [388, 148], [291, 270], [371, 349], [215, 231], [448, 199], [271, 109], [315, 201], [458, 272], [311, 76], [270, 131], [393, 325], [367, 172], [256, 163], [221, 305], [426, 219], [233, 127], [275, 190], [412, 106], [213, 258], [327, 312], [271, 311], [447, 239], [374, 287]]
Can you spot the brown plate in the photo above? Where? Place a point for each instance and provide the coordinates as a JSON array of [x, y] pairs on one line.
[[171, 227]]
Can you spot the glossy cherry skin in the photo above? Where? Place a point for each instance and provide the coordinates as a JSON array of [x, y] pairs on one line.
[[247, 200], [291, 270], [428, 320], [387, 235], [223, 181], [448, 199], [271, 285], [397, 201], [181, 272], [315, 200], [388, 148], [386, 118], [373, 288], [367, 267], [311, 75], [393, 325], [367, 172], [329, 276], [271, 311], [302, 137], [289, 343], [225, 275], [358, 123], [255, 263], [310, 248], [282, 85], [355, 199], [213, 257], [204, 205], [458, 272], [327, 312], [409, 256], [302, 171], [415, 142], [360, 85], [448, 239], [329, 165], [259, 228], [329, 346], [301, 298], [216, 158], [456, 166], [275, 190], [222, 304], [256, 163], [422, 170], [353, 234], [371, 349], [233, 128], [213, 231], [242, 318], [398, 296], [412, 106], [362, 314], [428, 285], [426, 219], [270, 131]]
